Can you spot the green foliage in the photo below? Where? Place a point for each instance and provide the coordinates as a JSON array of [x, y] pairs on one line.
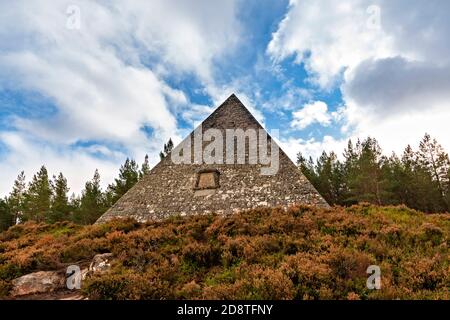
[[300, 253], [145, 167], [167, 149], [419, 179], [5, 288], [17, 197], [128, 176], [364, 176], [60, 208], [127, 286], [38, 197], [6, 217], [45, 200], [92, 202]]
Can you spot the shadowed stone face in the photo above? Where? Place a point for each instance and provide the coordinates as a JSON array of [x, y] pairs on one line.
[[197, 188], [207, 181]]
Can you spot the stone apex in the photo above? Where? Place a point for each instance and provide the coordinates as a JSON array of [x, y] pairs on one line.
[[232, 113]]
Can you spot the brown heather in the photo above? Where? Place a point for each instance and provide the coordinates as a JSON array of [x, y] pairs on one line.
[[301, 253]]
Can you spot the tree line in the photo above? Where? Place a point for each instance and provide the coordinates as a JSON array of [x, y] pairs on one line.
[[419, 178], [46, 199]]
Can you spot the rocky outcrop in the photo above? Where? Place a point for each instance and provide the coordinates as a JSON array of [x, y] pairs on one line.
[[46, 282], [38, 282], [101, 263]]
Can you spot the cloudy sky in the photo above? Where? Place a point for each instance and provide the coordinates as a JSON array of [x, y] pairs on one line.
[[85, 84]]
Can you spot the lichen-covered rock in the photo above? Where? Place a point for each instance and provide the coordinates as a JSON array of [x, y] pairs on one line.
[[38, 282], [84, 273], [101, 263]]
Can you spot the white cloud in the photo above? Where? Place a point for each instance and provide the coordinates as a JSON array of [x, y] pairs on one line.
[[394, 79], [395, 85], [312, 147], [315, 112], [196, 114], [328, 36], [112, 104], [105, 79], [395, 132], [187, 36], [78, 165]]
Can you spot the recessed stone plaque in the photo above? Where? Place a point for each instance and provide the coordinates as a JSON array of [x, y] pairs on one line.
[[207, 179]]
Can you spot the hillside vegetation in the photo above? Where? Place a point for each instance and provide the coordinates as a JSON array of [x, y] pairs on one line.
[[302, 253], [419, 179]]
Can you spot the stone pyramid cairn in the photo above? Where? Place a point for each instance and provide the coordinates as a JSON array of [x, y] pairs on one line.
[[199, 185]]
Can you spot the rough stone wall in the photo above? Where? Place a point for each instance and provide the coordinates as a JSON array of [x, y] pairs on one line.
[[169, 188]]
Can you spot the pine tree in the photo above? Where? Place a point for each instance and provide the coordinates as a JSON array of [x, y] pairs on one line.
[[421, 179], [128, 176], [414, 182], [17, 198], [349, 166], [340, 189], [74, 206], [60, 208], [432, 157], [307, 168], [38, 197], [167, 149], [145, 168], [447, 192], [92, 202], [364, 174], [324, 177], [394, 173], [350, 156], [6, 216], [330, 180]]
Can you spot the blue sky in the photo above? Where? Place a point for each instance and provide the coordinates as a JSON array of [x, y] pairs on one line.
[[85, 84]]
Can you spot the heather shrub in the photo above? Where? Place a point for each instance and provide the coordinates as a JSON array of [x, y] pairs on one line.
[[223, 276], [5, 288], [393, 235], [346, 264], [298, 253], [235, 249], [252, 282], [309, 274], [432, 233], [202, 255], [190, 290], [82, 250], [9, 271], [127, 286], [268, 284], [426, 273], [113, 287]]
